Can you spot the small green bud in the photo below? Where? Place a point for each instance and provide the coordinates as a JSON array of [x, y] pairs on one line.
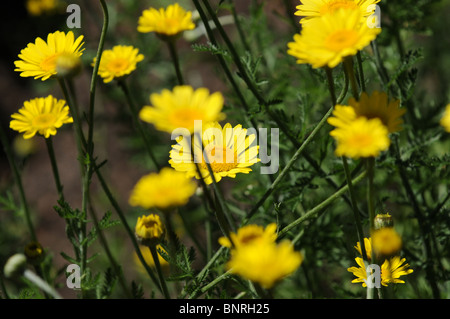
[[383, 221]]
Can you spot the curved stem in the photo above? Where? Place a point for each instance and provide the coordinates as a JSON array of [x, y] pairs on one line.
[[159, 271]]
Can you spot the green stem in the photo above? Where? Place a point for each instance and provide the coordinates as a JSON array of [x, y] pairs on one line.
[[18, 182], [176, 61], [371, 207], [51, 154], [362, 80], [135, 116], [162, 280], [315, 211], [39, 282], [210, 285], [348, 65]]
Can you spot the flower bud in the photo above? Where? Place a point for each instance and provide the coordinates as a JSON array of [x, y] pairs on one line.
[[34, 253], [149, 230], [15, 265], [383, 221]]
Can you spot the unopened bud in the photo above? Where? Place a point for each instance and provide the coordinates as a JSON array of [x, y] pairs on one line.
[[34, 253], [15, 265], [383, 221]]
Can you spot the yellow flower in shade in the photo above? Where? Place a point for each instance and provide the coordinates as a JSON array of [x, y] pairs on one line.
[[249, 234], [264, 262], [162, 190], [180, 107], [118, 62], [309, 9], [166, 22], [386, 241], [361, 138], [327, 40], [445, 120], [39, 59], [227, 150], [391, 270], [41, 115], [378, 106], [149, 259], [150, 230], [39, 7]]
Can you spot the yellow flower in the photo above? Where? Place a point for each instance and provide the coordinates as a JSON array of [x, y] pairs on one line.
[[249, 234], [327, 40], [166, 22], [361, 138], [180, 107], [386, 241], [38, 59], [39, 7], [118, 62], [149, 259], [149, 230], [309, 9], [343, 115], [445, 120], [391, 270], [163, 190], [41, 115], [228, 151], [264, 262], [367, 247], [377, 106]]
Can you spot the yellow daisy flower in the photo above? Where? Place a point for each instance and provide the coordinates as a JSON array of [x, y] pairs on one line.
[[264, 262], [228, 151], [39, 7], [166, 22], [386, 241], [157, 190], [41, 115], [39, 59], [361, 138], [249, 234], [367, 247], [180, 107], [445, 120], [327, 40], [118, 62], [343, 115], [309, 9], [149, 230]]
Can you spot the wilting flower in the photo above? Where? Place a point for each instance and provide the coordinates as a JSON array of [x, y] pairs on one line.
[[41, 115], [163, 190], [166, 22], [310, 9], [264, 262], [227, 150], [118, 62], [327, 40], [361, 138], [150, 230], [249, 234], [39, 59], [445, 120], [180, 107]]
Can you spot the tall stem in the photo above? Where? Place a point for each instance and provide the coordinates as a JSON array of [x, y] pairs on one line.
[[162, 280], [176, 62], [51, 154]]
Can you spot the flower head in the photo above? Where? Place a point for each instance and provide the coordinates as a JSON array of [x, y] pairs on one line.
[[158, 190], [149, 230], [249, 234], [227, 150], [392, 269], [327, 40], [182, 106], [41, 115], [166, 22], [367, 247], [361, 138], [118, 62], [264, 262], [310, 9], [39, 59], [39, 7], [445, 120], [386, 241]]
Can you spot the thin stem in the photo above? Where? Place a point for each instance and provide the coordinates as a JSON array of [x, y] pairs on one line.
[[211, 284], [162, 280], [135, 116], [371, 207], [362, 80], [176, 62], [51, 154], [39, 282], [348, 65], [18, 182]]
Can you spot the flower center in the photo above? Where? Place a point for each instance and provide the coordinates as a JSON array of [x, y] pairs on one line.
[[218, 160], [341, 39], [185, 117], [332, 6], [361, 141], [249, 238], [44, 121], [49, 63], [171, 25], [118, 65]]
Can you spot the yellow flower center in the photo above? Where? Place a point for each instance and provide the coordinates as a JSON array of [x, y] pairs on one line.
[[150, 224], [219, 162], [118, 65], [341, 39], [49, 63], [360, 141], [332, 6], [185, 117], [44, 121]]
